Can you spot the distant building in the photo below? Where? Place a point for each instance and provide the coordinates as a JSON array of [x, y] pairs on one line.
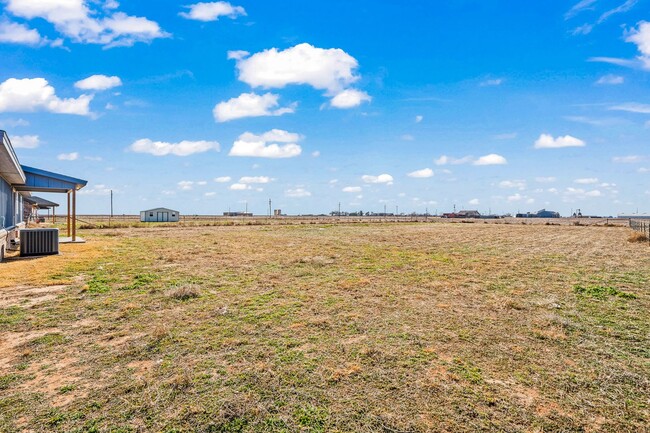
[[277, 212], [159, 215], [539, 214], [237, 213], [463, 214], [635, 216]]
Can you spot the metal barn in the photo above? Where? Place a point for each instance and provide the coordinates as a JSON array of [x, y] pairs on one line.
[[159, 215]]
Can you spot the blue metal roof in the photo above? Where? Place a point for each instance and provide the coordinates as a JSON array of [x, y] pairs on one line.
[[47, 181]]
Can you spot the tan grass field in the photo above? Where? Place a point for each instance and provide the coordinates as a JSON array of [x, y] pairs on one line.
[[330, 328]]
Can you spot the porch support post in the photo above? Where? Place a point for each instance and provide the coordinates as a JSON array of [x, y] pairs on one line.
[[74, 215], [68, 219]]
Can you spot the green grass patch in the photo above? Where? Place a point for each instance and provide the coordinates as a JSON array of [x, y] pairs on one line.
[[602, 292]]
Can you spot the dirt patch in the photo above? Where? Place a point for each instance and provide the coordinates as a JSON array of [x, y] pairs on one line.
[[11, 342], [29, 296], [58, 381]]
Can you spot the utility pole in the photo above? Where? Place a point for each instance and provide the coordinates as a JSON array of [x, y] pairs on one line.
[[111, 218], [384, 210], [270, 214], [339, 209]]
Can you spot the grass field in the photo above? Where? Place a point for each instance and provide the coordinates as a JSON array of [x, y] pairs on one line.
[[322, 328]]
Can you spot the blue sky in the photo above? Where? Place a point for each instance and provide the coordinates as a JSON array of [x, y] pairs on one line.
[[492, 105]]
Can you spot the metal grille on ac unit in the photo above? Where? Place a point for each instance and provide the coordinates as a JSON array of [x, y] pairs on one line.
[[39, 242]]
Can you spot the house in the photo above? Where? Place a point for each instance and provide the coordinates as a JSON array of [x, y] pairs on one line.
[[18, 182], [159, 215]]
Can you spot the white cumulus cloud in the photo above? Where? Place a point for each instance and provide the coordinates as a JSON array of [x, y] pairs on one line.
[[98, 82], [352, 189], [349, 98], [587, 180], [68, 156], [445, 160], [250, 105], [81, 23], [329, 69], [514, 184], [267, 145], [297, 193], [222, 179], [382, 178], [240, 187], [491, 159], [211, 11], [162, 148], [35, 94], [546, 141], [14, 33], [424, 173], [25, 141], [255, 179]]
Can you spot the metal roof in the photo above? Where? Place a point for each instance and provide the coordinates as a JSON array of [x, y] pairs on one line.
[[10, 169], [40, 202], [47, 181]]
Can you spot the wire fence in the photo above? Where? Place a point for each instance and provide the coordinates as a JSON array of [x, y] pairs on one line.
[[642, 227]]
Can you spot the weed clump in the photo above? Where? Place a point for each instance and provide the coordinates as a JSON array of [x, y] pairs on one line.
[[602, 292], [183, 293], [638, 237]]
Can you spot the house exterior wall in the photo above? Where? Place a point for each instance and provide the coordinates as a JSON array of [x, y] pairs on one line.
[[6, 204]]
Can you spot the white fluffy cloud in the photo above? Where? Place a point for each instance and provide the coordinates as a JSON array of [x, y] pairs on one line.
[[349, 98], [418, 119], [212, 11], [546, 141], [332, 70], [266, 145], [183, 148], [35, 94], [79, 22], [14, 33], [491, 159], [255, 179], [516, 184], [239, 187], [25, 141], [185, 185], [579, 193], [424, 173], [641, 37], [325, 69], [382, 178], [222, 179], [445, 160], [250, 105], [474, 202], [352, 189], [587, 180], [297, 193], [98, 82], [73, 156]]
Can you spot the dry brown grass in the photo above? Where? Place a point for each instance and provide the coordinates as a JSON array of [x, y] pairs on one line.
[[185, 292], [377, 327], [637, 237]]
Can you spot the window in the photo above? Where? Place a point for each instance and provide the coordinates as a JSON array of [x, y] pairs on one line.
[[150, 214], [173, 214]]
